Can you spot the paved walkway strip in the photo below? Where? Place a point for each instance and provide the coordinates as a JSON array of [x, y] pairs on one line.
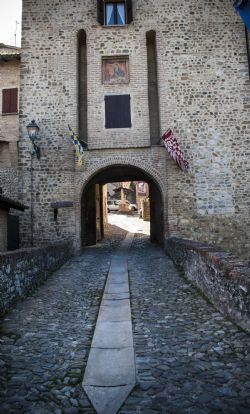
[[110, 373]]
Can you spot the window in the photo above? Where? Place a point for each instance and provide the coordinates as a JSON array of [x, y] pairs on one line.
[[114, 13], [117, 111], [10, 101]]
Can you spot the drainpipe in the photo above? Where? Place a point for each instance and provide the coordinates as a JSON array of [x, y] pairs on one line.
[[31, 201]]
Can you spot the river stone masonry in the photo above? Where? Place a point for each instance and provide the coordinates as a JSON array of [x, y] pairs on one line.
[[223, 278], [23, 270], [203, 86]]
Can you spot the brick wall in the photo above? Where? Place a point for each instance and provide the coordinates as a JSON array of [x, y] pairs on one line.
[[203, 95]]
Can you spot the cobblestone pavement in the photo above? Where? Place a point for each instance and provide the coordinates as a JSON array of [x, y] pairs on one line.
[[45, 341], [189, 358]]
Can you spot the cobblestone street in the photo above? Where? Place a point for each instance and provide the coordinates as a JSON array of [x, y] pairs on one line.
[[189, 358]]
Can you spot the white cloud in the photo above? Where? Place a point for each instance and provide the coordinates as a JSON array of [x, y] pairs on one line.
[[10, 13]]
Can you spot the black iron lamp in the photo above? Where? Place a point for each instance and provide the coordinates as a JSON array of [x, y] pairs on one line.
[[33, 130]]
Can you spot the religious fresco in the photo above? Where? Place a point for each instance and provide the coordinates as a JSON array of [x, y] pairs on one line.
[[115, 70]]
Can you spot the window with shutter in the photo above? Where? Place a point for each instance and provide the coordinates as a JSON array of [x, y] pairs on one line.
[[117, 111], [10, 101], [100, 12], [114, 13], [129, 11]]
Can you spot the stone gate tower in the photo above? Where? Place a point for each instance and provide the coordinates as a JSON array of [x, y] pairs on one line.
[[121, 73]]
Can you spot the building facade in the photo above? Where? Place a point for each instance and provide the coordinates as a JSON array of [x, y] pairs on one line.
[[9, 121], [120, 74]]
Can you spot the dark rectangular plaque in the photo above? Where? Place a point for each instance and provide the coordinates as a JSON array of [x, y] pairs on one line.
[[117, 111], [62, 204]]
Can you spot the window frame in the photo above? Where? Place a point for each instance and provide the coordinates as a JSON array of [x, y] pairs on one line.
[[115, 10], [101, 11]]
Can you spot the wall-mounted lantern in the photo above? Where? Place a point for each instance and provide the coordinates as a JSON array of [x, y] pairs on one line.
[[33, 130]]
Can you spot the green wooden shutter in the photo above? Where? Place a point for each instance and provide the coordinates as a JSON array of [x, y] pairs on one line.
[[100, 11]]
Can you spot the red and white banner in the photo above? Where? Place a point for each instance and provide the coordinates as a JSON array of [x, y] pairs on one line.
[[174, 150]]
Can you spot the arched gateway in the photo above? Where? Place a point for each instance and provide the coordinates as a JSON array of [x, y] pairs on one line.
[[90, 200]]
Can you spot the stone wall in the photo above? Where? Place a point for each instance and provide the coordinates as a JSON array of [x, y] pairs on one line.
[[203, 87], [23, 270], [222, 277]]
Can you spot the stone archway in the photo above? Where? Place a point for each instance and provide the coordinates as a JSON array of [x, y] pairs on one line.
[[115, 173]]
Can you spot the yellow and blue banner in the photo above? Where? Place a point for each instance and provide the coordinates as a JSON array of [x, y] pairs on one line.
[[78, 146]]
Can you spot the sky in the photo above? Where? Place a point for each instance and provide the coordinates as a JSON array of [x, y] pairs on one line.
[[10, 12]]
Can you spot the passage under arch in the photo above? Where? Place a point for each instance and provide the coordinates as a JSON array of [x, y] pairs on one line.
[[92, 203]]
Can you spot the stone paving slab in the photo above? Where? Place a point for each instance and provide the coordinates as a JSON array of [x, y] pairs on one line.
[[115, 313], [113, 303], [116, 296], [117, 288], [121, 277], [110, 367], [113, 335], [108, 400], [118, 266], [120, 269]]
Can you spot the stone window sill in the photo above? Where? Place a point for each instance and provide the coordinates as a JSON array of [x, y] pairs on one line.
[[107, 26]]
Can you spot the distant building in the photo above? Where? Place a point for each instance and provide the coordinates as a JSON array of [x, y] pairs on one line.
[[142, 195], [9, 138], [9, 118]]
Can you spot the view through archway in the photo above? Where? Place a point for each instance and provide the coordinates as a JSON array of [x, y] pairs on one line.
[[128, 206], [125, 195]]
